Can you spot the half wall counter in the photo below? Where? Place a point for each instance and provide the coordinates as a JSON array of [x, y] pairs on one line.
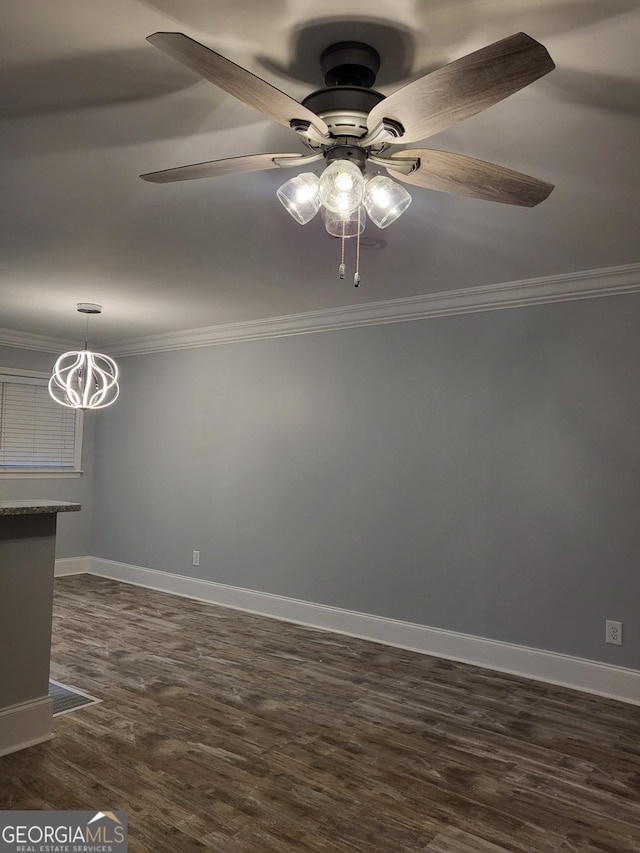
[[27, 562]]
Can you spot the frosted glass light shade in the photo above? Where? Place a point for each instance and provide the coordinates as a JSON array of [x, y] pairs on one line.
[[385, 200], [84, 380], [299, 197], [341, 187], [344, 224]]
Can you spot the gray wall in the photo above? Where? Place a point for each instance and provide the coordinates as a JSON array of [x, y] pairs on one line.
[[477, 473], [74, 528]]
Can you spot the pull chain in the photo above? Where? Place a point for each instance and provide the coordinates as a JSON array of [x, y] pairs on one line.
[[356, 277], [342, 268]]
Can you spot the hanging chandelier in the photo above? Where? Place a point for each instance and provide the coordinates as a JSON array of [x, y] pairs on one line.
[[83, 379]]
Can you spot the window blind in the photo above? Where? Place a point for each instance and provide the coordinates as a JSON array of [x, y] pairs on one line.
[[35, 432]]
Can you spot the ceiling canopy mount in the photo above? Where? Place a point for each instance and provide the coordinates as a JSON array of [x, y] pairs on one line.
[[350, 63]]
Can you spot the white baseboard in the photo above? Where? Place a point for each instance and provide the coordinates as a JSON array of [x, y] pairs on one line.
[[72, 566], [589, 676], [25, 724]]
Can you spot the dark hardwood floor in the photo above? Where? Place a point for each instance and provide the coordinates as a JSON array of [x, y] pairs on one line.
[[222, 731]]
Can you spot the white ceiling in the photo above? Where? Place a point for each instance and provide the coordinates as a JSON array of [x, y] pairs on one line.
[[86, 105]]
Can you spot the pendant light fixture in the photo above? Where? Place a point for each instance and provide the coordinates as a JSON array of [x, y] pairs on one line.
[[83, 379]]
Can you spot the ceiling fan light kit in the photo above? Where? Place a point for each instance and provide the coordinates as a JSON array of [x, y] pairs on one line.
[[351, 127], [82, 379]]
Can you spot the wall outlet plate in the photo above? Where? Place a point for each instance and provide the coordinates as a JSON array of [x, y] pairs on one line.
[[613, 632], [196, 558]]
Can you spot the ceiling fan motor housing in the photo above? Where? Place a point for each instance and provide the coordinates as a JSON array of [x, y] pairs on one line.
[[344, 109], [349, 70]]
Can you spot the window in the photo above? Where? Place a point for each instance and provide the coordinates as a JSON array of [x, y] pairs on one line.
[[38, 437]]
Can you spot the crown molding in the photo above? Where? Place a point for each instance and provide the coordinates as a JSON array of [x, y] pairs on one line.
[[559, 288], [40, 343], [589, 284]]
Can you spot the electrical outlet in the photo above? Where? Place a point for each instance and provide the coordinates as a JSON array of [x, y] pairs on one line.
[[196, 559], [613, 632]]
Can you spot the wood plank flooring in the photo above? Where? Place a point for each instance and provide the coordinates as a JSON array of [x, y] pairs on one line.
[[227, 732]]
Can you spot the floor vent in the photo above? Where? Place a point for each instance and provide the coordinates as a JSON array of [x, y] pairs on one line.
[[66, 699]]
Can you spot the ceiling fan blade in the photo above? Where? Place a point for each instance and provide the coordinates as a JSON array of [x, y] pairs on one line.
[[237, 81], [463, 87], [455, 173], [215, 168]]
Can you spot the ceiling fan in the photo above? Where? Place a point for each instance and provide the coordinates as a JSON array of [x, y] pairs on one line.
[[350, 125]]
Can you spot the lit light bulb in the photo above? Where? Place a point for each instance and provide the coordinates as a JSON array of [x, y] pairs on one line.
[[385, 200], [344, 182], [341, 186], [380, 197], [299, 197], [305, 193], [344, 224]]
